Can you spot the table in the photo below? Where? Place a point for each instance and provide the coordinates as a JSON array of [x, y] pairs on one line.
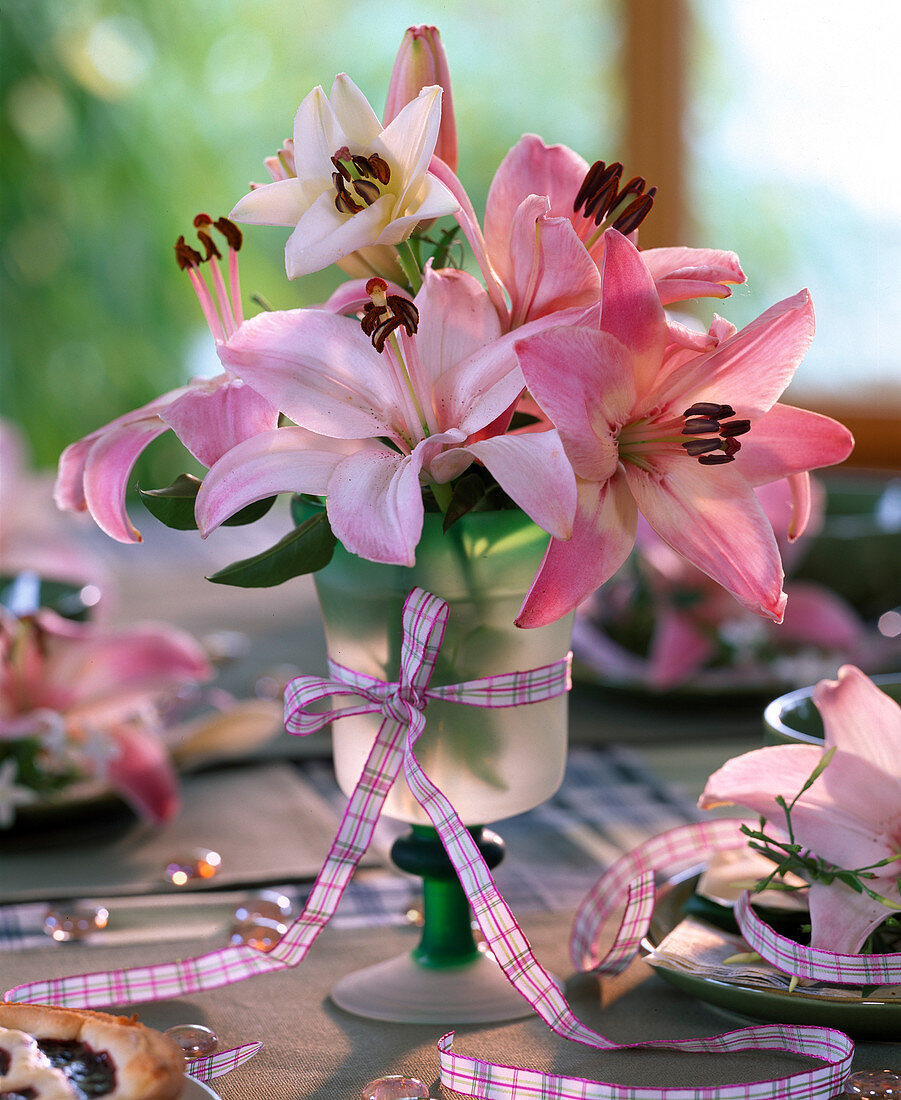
[[632, 773]]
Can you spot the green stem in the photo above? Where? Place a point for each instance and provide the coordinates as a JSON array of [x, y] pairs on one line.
[[407, 261]]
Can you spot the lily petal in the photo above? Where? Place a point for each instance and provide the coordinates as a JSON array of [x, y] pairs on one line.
[[603, 535], [584, 381], [631, 309], [787, 441], [550, 268], [143, 773], [375, 505], [280, 203], [842, 919], [683, 273], [751, 369], [533, 470], [115, 672], [319, 369], [285, 460], [852, 707], [210, 419], [679, 649], [710, 515]]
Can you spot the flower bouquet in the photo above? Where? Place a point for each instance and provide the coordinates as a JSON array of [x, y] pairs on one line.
[[487, 431]]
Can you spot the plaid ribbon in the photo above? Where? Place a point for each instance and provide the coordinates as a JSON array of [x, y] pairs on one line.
[[222, 1062], [401, 704], [811, 962]]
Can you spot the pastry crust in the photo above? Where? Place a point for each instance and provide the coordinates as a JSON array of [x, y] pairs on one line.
[[148, 1065]]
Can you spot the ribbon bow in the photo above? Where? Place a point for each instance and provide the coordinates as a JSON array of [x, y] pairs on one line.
[[404, 701]]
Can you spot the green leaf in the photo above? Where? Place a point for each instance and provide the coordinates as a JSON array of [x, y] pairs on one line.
[[304, 550], [468, 491], [174, 505]]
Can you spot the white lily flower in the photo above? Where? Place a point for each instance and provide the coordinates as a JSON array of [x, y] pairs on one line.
[[357, 184]]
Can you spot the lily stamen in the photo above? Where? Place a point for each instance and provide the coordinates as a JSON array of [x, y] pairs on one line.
[[382, 316], [365, 175], [223, 313], [601, 199], [716, 443]]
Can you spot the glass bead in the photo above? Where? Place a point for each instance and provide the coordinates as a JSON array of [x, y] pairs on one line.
[[267, 905], [261, 934], [199, 863], [395, 1087], [195, 1040], [874, 1083], [74, 923]]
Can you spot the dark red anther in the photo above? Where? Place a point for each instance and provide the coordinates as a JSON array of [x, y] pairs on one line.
[[715, 459], [367, 190], [387, 313], [697, 447], [231, 232], [735, 427], [341, 168], [380, 168], [185, 255], [209, 244], [202, 220], [598, 189], [700, 426], [711, 409], [343, 201], [635, 213]]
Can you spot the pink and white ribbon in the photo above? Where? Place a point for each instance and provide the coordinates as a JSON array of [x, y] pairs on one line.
[[402, 705]]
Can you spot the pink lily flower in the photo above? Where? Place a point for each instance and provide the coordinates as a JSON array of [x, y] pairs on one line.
[[90, 694], [209, 415], [651, 426], [357, 183], [544, 237], [851, 814], [430, 394]]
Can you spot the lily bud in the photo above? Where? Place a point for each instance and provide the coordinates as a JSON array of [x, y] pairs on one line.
[[422, 63]]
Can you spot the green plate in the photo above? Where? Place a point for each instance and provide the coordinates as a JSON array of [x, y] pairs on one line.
[[863, 1019]]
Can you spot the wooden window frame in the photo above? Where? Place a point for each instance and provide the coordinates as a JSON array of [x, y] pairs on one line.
[[656, 44]]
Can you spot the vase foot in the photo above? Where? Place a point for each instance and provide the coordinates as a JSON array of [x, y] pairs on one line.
[[402, 991]]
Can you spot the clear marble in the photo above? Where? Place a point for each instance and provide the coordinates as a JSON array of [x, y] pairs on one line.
[[267, 905], [261, 934], [874, 1083], [199, 863], [74, 922], [195, 1040], [395, 1087]]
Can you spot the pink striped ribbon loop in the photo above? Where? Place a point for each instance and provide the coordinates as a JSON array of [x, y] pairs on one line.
[[222, 1062], [424, 621]]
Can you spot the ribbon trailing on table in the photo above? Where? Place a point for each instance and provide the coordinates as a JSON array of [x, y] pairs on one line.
[[402, 706]]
